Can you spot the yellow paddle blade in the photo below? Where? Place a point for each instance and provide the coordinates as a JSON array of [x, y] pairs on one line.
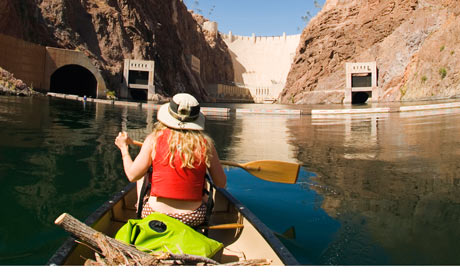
[[270, 170]]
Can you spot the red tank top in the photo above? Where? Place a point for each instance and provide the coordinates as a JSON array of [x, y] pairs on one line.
[[176, 183]]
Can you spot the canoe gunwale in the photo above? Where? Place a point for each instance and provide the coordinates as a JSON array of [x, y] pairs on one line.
[[280, 249], [61, 254]]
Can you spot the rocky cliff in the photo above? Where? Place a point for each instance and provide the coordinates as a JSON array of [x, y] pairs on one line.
[[110, 31], [9, 85], [414, 42]]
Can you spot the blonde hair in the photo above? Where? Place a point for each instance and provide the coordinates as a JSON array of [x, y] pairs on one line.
[[192, 146]]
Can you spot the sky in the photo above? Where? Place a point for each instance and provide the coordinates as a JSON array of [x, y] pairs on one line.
[[261, 17]]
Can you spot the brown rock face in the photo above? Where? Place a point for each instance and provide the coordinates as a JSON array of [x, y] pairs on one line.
[[414, 42], [110, 31], [23, 20]]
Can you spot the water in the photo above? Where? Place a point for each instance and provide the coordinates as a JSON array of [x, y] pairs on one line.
[[379, 189]]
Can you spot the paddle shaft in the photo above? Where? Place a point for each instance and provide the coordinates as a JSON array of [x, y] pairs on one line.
[[232, 164], [137, 143], [224, 226]]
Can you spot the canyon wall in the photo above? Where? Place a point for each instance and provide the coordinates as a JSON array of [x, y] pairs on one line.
[[414, 43], [110, 31]]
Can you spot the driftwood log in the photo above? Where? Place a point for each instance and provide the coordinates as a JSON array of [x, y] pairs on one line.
[[118, 253]]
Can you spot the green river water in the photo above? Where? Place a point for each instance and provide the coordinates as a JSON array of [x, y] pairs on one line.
[[380, 189]]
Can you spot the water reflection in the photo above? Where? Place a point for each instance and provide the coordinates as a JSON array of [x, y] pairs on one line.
[[396, 181], [374, 189], [69, 159], [358, 130], [55, 156], [259, 137]]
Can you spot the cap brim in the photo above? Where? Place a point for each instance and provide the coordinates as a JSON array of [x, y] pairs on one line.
[[168, 120]]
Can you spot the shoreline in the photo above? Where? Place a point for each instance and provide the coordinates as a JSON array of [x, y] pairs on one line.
[[219, 111]]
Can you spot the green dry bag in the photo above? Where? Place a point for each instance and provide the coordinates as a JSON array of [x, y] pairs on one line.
[[159, 232]]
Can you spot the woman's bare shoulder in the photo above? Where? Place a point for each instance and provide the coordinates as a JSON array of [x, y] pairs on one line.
[[151, 136], [150, 139]]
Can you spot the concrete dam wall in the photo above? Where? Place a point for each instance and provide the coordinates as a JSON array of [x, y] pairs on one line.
[[262, 64]]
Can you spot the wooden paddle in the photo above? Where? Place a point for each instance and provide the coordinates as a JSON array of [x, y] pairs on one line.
[[223, 226], [270, 170], [137, 143]]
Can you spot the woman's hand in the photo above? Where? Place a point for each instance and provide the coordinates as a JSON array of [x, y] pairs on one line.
[[123, 140], [136, 169]]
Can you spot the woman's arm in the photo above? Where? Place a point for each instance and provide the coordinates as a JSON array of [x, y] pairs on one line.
[[136, 169], [217, 172]]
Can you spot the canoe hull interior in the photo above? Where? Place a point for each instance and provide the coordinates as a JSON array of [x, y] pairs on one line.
[[253, 241]]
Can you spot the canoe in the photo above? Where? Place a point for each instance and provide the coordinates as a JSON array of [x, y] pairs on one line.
[[253, 241]]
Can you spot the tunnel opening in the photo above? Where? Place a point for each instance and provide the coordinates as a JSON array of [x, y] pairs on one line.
[[138, 94], [74, 79], [359, 97]]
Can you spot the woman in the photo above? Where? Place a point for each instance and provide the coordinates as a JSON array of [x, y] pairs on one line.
[[179, 153]]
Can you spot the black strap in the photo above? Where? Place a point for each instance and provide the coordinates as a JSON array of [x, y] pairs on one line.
[[209, 204], [194, 112], [144, 189]]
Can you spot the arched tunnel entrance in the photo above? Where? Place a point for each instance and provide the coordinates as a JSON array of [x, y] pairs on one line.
[[138, 94], [74, 79], [359, 97]]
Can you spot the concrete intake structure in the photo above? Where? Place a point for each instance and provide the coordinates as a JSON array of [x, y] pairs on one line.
[[361, 82], [261, 64], [138, 80]]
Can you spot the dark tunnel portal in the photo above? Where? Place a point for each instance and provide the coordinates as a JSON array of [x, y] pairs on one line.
[[74, 79], [359, 97], [138, 94]]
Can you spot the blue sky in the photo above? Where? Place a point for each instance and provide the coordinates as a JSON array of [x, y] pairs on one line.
[[264, 18]]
